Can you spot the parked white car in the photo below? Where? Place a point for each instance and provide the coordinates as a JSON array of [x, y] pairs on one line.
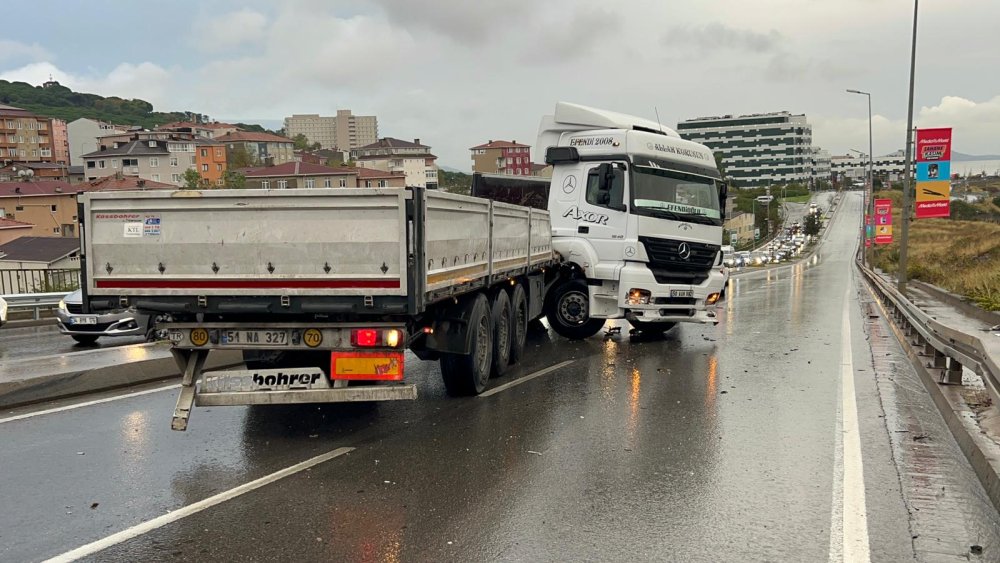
[[3, 311]]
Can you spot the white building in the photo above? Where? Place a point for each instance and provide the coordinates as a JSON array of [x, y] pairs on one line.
[[82, 135], [343, 131], [854, 167], [156, 160], [759, 149], [395, 155], [821, 164]]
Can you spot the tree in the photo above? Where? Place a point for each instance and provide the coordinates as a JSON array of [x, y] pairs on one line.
[[239, 157], [811, 226], [191, 179], [301, 142], [315, 147], [234, 180]]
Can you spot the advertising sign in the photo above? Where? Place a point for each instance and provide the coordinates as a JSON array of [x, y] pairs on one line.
[[883, 221], [933, 173]]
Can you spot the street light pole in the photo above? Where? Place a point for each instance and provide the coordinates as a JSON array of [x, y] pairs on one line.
[[870, 190], [905, 232]]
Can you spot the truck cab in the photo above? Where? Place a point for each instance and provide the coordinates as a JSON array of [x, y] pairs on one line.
[[637, 216]]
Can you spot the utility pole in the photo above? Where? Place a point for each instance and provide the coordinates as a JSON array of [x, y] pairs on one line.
[[905, 231]]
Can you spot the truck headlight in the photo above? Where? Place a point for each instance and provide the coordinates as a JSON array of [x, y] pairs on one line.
[[713, 298], [638, 297], [62, 305]]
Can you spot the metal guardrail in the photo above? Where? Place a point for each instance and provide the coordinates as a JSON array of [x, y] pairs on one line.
[[34, 301], [945, 349], [38, 280]]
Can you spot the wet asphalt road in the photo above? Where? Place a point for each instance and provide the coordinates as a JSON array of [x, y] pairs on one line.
[[31, 342], [707, 444]]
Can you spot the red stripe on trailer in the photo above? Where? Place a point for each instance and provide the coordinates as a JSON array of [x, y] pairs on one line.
[[247, 284]]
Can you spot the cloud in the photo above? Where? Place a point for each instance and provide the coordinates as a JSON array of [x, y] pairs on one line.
[[468, 23], [20, 52], [229, 30], [715, 37]]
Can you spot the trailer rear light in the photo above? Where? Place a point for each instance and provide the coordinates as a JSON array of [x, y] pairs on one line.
[[364, 337], [393, 337]]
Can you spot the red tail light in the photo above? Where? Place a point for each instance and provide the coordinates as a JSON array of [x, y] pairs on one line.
[[364, 337]]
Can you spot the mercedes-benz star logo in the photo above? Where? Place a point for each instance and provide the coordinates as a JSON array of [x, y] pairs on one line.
[[684, 226], [684, 251], [569, 184], [629, 251]]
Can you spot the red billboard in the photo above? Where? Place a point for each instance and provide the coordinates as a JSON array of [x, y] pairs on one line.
[[933, 166], [883, 221]]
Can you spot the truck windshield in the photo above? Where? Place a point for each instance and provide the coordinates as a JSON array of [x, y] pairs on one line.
[[676, 195]]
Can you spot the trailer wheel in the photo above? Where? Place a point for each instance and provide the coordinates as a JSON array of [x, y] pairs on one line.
[[503, 332], [568, 311], [467, 374], [519, 324]]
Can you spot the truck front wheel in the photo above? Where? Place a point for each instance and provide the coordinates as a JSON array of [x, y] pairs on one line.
[[467, 374], [568, 311]]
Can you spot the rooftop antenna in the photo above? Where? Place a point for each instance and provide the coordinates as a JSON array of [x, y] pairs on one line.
[[657, 112]]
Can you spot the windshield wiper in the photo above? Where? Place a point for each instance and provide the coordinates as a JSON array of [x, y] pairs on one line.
[[675, 216]]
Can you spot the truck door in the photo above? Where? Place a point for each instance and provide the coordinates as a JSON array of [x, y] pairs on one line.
[[601, 212]]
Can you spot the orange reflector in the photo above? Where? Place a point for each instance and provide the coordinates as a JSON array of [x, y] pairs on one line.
[[367, 366]]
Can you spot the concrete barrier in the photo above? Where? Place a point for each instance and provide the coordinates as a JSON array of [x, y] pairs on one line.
[[54, 377]]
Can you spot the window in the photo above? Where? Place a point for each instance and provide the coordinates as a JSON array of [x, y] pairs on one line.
[[265, 184], [343, 182], [100, 164], [19, 208], [218, 168], [45, 152], [310, 183], [368, 183], [126, 162], [219, 182], [34, 152], [204, 168], [204, 153], [68, 230], [114, 163], [383, 183], [90, 163], [175, 178], [218, 153], [327, 183], [194, 159], [152, 144], [173, 161], [156, 177], [282, 184], [154, 162], [614, 197]]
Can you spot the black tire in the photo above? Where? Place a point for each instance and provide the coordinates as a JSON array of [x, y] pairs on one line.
[[467, 374], [85, 339], [568, 311], [653, 326], [503, 320], [519, 323]]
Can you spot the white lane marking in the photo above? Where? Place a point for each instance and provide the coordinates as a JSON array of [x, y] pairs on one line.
[[87, 403], [854, 520], [159, 522], [526, 378]]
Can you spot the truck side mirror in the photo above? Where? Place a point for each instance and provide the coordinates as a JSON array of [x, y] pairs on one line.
[[723, 193]]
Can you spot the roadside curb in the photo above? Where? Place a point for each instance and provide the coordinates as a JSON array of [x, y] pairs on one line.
[[972, 428], [69, 382]]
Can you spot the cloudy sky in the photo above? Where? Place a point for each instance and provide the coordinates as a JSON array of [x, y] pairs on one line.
[[456, 73]]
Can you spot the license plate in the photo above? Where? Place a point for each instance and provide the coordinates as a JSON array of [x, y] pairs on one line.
[[255, 337], [682, 293], [86, 320], [262, 380], [381, 366]]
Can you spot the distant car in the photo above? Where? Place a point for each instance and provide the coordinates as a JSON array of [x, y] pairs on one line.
[[3, 311], [758, 258], [87, 328]]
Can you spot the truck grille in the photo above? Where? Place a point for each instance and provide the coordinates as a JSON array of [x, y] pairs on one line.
[[665, 254]]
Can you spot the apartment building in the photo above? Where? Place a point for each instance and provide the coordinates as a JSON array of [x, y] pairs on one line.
[[82, 135], [49, 206], [344, 130], [852, 168], [20, 171], [210, 160], [11, 229], [157, 160], [759, 149], [414, 160], [206, 130], [24, 136], [502, 157], [305, 175], [262, 148], [60, 142]]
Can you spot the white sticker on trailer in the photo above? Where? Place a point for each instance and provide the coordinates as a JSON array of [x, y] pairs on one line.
[[133, 230]]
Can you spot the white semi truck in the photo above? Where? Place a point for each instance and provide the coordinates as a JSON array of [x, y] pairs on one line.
[[324, 289]]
